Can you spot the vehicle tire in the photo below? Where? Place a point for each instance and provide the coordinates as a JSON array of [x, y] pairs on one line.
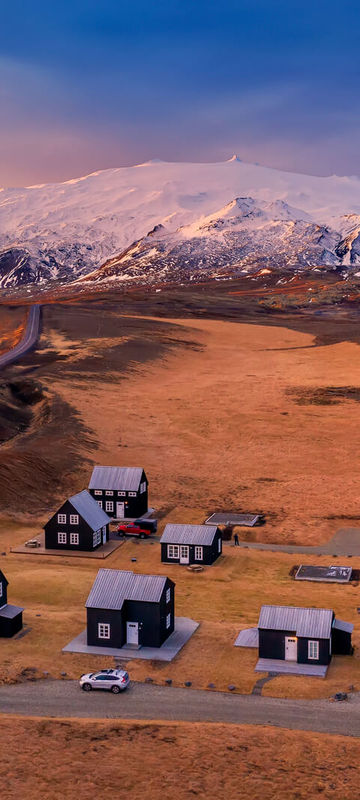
[[115, 689], [87, 687], [142, 535]]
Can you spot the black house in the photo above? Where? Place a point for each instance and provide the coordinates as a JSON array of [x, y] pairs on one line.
[[128, 609], [303, 635], [190, 544], [79, 524], [120, 491], [10, 616]]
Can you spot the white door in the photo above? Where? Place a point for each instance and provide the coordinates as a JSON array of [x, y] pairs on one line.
[[132, 633], [184, 554], [290, 648], [120, 510], [104, 535]]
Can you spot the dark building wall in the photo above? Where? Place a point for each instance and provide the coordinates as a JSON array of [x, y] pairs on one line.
[[148, 617], [341, 642], [165, 609], [272, 645], [53, 527], [8, 627], [4, 585], [210, 553], [324, 651], [117, 628]]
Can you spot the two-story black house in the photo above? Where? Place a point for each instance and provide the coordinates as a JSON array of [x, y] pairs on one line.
[[124, 608], [190, 544], [122, 492], [79, 524], [10, 616], [302, 635]]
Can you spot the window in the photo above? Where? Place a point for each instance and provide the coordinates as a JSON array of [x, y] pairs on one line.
[[219, 544], [74, 538], [97, 492], [143, 487], [103, 630], [173, 551], [132, 494], [74, 519], [96, 538], [313, 650], [61, 538], [99, 502], [168, 620], [168, 595], [1, 590], [109, 493], [121, 494], [62, 519], [198, 553], [109, 505]]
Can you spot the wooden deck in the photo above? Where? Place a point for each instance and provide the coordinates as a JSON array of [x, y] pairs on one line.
[[290, 667]]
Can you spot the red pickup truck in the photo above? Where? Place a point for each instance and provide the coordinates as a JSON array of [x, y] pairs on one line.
[[132, 529]]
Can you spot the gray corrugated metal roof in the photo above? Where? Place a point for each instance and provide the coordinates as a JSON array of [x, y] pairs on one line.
[[189, 534], [123, 479], [113, 586], [303, 621], [89, 510], [10, 611], [227, 518], [343, 626]]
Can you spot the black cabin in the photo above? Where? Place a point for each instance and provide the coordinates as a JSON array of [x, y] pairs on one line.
[[190, 544], [122, 492], [10, 616], [303, 635], [124, 608], [79, 524]]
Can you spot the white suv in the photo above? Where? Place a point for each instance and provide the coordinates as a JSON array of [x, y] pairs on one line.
[[115, 680]]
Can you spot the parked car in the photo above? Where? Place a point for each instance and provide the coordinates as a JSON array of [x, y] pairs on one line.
[[115, 680], [132, 529], [148, 524]]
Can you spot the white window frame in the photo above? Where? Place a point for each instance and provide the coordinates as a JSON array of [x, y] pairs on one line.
[[98, 492], [99, 502], [132, 494], [61, 518], [1, 589], [74, 538], [74, 519], [109, 505], [96, 538], [61, 537], [168, 620], [313, 650], [219, 545], [199, 552], [103, 630], [143, 487], [168, 595], [110, 494], [173, 551], [121, 494]]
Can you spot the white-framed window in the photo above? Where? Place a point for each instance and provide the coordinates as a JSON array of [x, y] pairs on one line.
[[121, 494], [98, 492], [132, 494], [99, 502], [219, 544], [74, 519], [74, 538], [109, 505], [103, 630], [198, 553], [313, 650], [168, 595], [61, 538], [173, 551], [96, 538], [143, 487], [110, 494], [61, 519], [1, 590], [168, 620]]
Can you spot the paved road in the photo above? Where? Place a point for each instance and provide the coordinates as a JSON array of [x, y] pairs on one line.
[[345, 542], [27, 342], [143, 701]]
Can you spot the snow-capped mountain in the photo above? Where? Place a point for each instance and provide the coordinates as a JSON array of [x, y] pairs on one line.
[[169, 221]]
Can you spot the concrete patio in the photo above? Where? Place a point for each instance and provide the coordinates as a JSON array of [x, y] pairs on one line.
[[291, 667]]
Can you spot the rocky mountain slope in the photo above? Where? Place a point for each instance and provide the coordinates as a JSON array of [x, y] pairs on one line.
[[176, 222]]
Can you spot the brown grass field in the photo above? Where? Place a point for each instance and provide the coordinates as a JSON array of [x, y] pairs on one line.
[[63, 759], [12, 327]]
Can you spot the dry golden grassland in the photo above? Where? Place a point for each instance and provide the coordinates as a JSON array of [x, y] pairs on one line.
[[12, 324], [63, 759]]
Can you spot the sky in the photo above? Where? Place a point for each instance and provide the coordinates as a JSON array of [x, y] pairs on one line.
[[88, 85]]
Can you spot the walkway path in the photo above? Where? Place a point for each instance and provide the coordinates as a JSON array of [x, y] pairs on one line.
[[28, 340], [346, 542]]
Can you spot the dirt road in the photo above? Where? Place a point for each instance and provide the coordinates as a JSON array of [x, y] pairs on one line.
[[142, 701]]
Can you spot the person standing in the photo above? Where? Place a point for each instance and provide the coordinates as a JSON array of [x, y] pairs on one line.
[[236, 540]]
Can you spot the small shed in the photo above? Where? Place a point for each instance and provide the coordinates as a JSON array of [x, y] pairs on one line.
[[128, 608], [79, 524], [10, 616], [190, 544], [122, 492]]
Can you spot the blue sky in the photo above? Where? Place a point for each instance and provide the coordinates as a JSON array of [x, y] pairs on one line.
[[86, 85]]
